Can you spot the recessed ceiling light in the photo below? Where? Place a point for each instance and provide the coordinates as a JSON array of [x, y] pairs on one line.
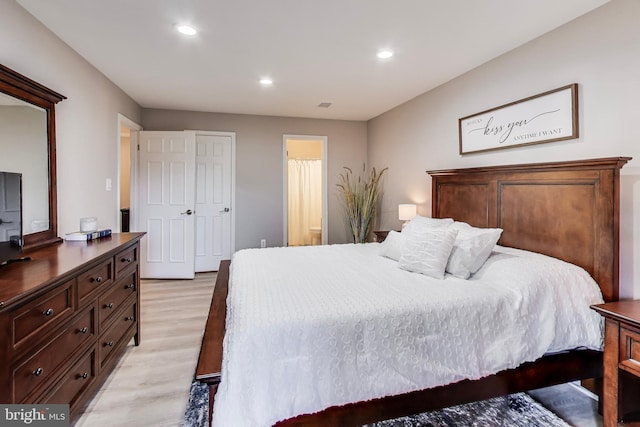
[[187, 30], [385, 54], [266, 81]]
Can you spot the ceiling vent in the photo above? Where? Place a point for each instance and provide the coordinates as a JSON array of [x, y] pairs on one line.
[[324, 105]]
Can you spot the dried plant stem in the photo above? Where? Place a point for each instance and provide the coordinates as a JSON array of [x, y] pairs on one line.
[[360, 197]]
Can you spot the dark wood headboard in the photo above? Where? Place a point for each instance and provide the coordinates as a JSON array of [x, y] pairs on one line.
[[568, 210]]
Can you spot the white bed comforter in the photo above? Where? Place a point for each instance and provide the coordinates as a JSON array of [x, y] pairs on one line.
[[313, 327]]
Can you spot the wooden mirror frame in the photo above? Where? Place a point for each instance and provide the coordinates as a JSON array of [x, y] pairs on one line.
[[21, 87]]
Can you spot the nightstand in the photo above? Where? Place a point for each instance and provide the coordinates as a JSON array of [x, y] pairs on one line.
[[621, 379], [381, 235]]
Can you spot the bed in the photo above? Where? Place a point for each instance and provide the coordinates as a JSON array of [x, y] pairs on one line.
[[567, 210]]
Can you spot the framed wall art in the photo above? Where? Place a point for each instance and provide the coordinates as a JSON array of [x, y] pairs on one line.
[[546, 117]]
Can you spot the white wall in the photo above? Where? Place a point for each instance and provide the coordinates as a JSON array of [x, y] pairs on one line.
[[600, 51], [260, 168], [86, 122]]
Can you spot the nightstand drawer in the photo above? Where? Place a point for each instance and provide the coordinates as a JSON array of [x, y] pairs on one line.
[[630, 350]]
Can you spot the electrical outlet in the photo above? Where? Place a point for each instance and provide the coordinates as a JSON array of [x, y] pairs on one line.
[[263, 243]]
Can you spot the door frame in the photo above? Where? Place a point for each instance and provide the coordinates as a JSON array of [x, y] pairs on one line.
[[233, 179], [285, 186], [133, 170]]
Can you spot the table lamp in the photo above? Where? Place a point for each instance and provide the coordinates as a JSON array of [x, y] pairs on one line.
[[406, 212]]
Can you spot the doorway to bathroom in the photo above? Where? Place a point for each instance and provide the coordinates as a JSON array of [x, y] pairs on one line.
[[305, 190], [127, 167]]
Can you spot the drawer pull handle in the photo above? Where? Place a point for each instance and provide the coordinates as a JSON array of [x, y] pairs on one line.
[[37, 372], [98, 279], [130, 286], [110, 305], [108, 344], [83, 330], [48, 312], [84, 375], [126, 260], [130, 318]]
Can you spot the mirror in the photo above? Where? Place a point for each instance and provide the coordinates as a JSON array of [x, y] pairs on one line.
[[28, 146], [26, 124]]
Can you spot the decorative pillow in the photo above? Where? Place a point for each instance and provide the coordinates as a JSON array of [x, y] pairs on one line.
[[427, 252], [393, 245], [419, 223], [471, 249]]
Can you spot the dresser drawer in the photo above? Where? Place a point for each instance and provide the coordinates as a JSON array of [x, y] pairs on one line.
[[74, 382], [43, 312], [43, 365], [118, 332], [126, 258], [94, 279], [630, 349], [111, 301]]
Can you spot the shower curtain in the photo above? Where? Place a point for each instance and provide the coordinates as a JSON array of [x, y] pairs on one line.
[[305, 200]]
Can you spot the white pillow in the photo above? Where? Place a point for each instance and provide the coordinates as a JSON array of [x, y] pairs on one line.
[[419, 223], [393, 245], [471, 249], [427, 252]]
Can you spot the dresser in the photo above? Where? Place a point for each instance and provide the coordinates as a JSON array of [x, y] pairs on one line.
[[621, 379], [67, 315]]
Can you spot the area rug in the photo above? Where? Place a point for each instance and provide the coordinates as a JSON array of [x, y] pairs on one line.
[[515, 410]]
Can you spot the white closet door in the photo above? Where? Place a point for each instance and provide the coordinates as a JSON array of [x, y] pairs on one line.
[[213, 200], [166, 203]]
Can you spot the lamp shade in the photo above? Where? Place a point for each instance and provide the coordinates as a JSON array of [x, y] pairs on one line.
[[406, 212]]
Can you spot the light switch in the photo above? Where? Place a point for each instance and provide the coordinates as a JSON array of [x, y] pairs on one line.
[[108, 185]]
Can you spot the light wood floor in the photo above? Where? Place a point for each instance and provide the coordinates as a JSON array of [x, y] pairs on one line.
[[150, 385]]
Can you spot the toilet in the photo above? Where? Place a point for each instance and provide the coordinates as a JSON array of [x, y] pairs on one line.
[[316, 235]]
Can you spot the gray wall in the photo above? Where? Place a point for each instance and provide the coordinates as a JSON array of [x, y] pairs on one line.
[[86, 122], [260, 169], [600, 51]]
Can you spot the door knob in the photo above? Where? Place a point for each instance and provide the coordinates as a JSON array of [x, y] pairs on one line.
[[224, 210], [187, 212]]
